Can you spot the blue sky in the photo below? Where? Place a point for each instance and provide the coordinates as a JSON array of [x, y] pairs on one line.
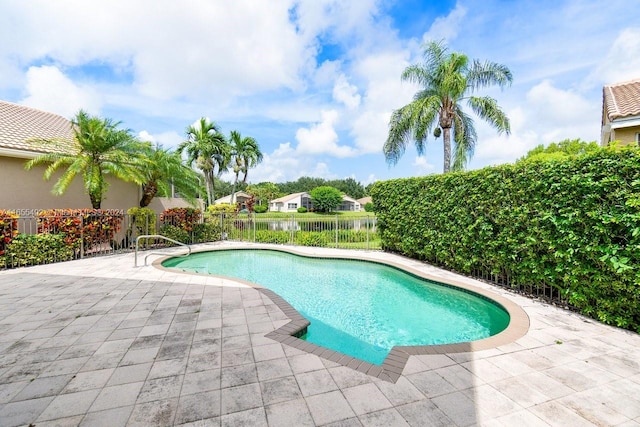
[[314, 81]]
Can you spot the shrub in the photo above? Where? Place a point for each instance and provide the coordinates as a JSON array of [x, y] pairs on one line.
[[92, 227], [277, 237], [175, 233], [8, 228], [261, 208], [325, 198], [226, 208], [183, 218], [567, 229], [311, 238], [368, 207], [34, 249], [144, 220], [206, 232], [302, 209]]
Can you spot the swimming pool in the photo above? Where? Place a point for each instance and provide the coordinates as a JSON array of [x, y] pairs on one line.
[[359, 308]]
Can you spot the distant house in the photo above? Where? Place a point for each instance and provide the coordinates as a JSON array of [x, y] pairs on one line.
[[26, 191], [292, 202], [621, 112], [240, 197], [364, 200], [349, 204]]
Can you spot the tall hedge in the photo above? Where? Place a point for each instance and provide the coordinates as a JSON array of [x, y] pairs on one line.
[[572, 226]]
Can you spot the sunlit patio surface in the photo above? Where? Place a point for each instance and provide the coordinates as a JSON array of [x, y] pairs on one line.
[[100, 342]]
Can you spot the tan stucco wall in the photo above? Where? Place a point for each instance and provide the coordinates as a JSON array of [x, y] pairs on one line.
[[625, 135], [27, 190]]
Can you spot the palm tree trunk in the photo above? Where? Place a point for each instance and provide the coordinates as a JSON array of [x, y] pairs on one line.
[[149, 191], [233, 190], [446, 133], [211, 187], [96, 200]]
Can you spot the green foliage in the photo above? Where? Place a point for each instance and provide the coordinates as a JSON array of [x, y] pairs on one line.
[[311, 238], [35, 249], [143, 219], [568, 229], [165, 171], [325, 198], [264, 192], [368, 207], [99, 148], [206, 232], [226, 208], [276, 237], [260, 208], [446, 79], [175, 233], [561, 150], [302, 209], [208, 148]]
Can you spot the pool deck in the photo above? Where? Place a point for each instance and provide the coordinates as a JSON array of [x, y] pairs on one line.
[[99, 342]]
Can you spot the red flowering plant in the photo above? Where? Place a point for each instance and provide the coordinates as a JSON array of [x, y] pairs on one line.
[[91, 226], [8, 228], [183, 218]]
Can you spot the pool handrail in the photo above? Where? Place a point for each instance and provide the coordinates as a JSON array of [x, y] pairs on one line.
[[157, 236]]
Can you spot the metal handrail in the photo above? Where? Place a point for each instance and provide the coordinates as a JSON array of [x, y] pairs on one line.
[[157, 236]]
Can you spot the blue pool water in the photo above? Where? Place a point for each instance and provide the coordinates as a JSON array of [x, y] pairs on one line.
[[359, 308]]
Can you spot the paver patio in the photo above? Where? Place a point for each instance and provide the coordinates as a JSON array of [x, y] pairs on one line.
[[98, 342]]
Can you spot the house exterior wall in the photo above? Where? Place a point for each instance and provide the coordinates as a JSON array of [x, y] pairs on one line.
[[625, 135], [27, 190]]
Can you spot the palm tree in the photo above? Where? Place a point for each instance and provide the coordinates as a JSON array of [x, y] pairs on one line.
[[245, 153], [164, 170], [446, 80], [99, 148], [209, 149]]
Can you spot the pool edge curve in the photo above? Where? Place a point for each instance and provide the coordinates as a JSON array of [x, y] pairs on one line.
[[393, 365]]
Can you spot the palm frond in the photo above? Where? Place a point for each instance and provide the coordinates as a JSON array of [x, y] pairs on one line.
[[488, 109]]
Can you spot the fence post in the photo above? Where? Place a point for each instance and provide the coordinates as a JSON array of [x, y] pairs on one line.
[[366, 226], [337, 234]]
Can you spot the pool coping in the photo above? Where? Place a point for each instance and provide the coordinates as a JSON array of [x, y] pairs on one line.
[[393, 365]]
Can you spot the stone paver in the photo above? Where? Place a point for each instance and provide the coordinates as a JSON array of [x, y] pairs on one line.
[[99, 342]]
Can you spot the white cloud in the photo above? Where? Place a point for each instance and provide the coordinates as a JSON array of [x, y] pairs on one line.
[[547, 114], [288, 164], [622, 61], [346, 93], [384, 92], [422, 165], [446, 27], [165, 139], [321, 138], [558, 114], [50, 90]]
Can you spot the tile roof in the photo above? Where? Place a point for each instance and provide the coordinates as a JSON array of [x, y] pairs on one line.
[[622, 99], [287, 197], [21, 128]]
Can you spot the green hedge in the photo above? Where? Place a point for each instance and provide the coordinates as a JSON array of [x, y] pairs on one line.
[[572, 226]]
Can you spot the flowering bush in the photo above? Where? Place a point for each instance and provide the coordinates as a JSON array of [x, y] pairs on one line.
[[91, 226], [183, 218], [8, 228]]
